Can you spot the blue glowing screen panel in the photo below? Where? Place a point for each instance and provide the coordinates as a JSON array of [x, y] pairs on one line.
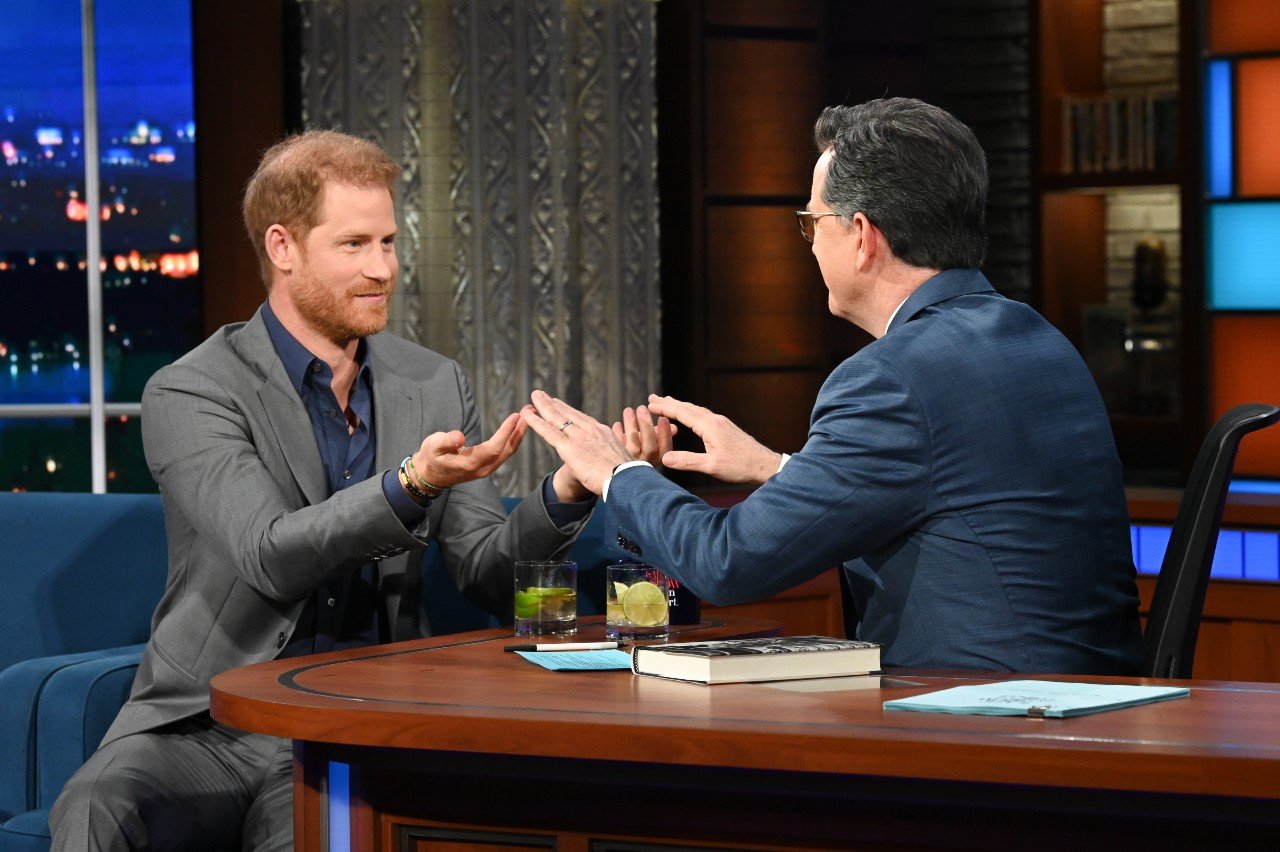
[[1243, 246], [1218, 130], [1240, 555]]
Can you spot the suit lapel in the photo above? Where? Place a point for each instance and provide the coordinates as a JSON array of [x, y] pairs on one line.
[[285, 414]]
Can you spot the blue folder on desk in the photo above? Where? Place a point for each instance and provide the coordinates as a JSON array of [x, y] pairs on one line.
[[1036, 698]]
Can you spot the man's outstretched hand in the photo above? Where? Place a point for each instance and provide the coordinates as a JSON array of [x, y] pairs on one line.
[[731, 454], [588, 448], [643, 438], [444, 459]]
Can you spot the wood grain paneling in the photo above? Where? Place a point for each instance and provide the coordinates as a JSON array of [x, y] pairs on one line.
[[766, 304], [1239, 636], [1258, 126], [1246, 350], [761, 99], [1073, 259], [760, 13], [232, 60], [773, 406], [1241, 26]]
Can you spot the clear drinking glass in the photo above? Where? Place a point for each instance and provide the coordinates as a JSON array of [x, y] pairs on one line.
[[635, 602], [546, 602]]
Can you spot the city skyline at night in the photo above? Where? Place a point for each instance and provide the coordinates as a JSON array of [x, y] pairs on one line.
[[150, 258]]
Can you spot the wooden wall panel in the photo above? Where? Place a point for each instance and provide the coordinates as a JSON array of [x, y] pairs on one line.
[[1245, 355], [1074, 259], [761, 99], [232, 59], [759, 13], [1239, 635], [773, 405], [1258, 123], [766, 304], [1241, 26]]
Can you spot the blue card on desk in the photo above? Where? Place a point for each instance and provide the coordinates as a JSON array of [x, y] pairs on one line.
[[579, 661], [1036, 698]]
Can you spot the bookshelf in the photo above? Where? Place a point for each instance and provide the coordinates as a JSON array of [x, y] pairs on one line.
[[1114, 189]]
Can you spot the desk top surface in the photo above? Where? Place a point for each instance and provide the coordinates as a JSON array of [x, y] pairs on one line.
[[463, 693]]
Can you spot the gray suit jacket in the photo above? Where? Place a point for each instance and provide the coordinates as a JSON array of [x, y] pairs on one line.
[[251, 533]]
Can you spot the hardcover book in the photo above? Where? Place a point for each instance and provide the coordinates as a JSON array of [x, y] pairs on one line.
[[770, 658]]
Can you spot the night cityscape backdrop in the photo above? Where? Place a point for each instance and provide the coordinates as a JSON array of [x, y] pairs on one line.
[[150, 260]]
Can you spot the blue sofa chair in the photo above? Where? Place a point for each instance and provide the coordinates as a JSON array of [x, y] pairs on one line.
[[83, 574]]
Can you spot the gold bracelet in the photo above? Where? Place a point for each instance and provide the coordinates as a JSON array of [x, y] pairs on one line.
[[432, 491]]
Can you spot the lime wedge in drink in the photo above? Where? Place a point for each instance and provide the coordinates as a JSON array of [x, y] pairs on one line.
[[645, 605], [619, 589], [526, 604]]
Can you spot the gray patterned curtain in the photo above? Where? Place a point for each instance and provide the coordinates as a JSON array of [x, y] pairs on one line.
[[529, 203]]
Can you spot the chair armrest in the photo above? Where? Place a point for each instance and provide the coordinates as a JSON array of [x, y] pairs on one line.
[[21, 686], [77, 706]]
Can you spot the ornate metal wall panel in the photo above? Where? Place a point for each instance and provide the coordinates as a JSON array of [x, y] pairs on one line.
[[551, 186], [555, 200], [359, 69]]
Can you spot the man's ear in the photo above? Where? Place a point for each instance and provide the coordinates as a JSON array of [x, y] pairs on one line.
[[282, 251], [866, 240]]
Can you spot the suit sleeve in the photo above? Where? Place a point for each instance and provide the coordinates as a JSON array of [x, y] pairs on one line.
[[206, 458], [861, 480], [479, 542]]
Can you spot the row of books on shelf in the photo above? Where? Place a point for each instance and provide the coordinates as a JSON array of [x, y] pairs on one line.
[[1118, 133]]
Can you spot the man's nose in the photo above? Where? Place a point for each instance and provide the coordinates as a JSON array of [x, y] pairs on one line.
[[382, 266]]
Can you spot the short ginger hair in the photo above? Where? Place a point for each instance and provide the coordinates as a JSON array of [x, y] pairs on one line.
[[288, 186]]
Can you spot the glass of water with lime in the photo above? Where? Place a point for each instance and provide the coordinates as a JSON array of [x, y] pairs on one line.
[[546, 601], [635, 603]]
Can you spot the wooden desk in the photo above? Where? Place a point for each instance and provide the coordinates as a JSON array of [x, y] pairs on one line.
[[453, 744]]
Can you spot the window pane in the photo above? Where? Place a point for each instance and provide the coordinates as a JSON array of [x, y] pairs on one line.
[[151, 286], [43, 301], [126, 465], [44, 455]]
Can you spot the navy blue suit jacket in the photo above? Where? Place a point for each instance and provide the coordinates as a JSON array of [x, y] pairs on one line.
[[963, 470]]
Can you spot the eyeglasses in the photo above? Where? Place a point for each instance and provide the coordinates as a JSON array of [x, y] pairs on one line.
[[808, 221]]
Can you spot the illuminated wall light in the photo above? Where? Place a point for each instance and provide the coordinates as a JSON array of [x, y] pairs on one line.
[[1218, 131], [51, 466], [1243, 256]]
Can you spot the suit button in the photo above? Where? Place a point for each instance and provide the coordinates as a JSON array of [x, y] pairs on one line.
[[280, 641], [331, 601]]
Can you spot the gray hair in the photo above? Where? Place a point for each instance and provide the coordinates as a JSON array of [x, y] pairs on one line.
[[916, 172]]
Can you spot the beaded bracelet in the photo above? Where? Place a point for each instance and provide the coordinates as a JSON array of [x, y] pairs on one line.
[[415, 493]]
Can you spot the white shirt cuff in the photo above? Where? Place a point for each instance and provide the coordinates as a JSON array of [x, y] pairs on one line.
[[786, 457], [604, 489]]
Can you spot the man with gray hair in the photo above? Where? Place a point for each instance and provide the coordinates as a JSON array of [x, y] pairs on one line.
[[960, 467]]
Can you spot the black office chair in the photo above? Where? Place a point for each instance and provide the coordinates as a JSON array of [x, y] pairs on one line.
[[1178, 602]]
